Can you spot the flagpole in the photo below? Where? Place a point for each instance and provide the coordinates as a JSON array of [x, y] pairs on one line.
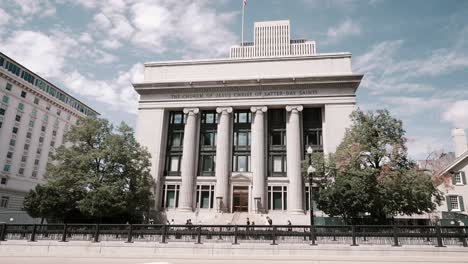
[[242, 31]]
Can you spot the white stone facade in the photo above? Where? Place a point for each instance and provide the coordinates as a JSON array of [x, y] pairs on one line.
[[228, 135], [34, 116]]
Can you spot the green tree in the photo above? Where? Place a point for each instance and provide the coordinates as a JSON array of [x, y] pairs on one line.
[[101, 172], [370, 173]]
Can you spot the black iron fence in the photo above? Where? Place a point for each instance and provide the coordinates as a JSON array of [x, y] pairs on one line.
[[394, 235]]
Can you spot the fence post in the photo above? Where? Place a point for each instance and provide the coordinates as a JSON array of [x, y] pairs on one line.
[[395, 236], [439, 237], [235, 236], [64, 233], [33, 234], [130, 234], [96, 233], [464, 237], [3, 233], [353, 234], [198, 235], [312, 235], [273, 236], [163, 236]]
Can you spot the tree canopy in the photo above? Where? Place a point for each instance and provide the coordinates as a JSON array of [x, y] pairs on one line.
[[370, 173], [101, 172]]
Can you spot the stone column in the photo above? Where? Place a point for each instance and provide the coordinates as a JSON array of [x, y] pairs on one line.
[[293, 153], [188, 166], [258, 157], [223, 151]]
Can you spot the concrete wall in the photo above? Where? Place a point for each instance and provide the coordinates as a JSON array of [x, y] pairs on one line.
[[338, 253], [225, 69]]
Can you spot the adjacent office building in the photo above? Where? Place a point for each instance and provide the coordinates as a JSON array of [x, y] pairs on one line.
[[227, 136], [34, 116]]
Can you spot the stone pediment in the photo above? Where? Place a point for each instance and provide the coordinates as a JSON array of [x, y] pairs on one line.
[[244, 177]]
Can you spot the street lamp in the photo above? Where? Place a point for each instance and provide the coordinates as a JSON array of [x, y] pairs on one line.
[[310, 175]]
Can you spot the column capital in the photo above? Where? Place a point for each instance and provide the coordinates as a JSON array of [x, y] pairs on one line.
[[256, 109], [191, 110], [222, 110], [291, 108]]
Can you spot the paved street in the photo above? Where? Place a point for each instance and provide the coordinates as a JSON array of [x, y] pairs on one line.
[[228, 260]]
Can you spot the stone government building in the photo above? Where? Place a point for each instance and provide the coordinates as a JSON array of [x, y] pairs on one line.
[[227, 136]]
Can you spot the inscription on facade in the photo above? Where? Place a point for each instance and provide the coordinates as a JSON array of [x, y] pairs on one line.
[[237, 94]]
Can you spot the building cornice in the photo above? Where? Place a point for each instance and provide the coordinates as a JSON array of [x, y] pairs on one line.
[[353, 79], [244, 60], [41, 94]]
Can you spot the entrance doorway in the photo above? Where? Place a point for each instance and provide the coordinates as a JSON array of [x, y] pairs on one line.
[[240, 195]]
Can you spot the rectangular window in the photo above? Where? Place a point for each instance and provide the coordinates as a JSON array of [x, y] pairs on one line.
[[31, 123], [177, 139], [21, 171], [36, 100], [205, 196], [241, 163], [2, 111], [23, 94], [4, 202], [312, 128], [454, 202], [9, 155], [38, 151], [17, 118], [43, 128], [6, 168], [176, 118], [21, 106], [26, 146], [277, 198], [24, 158], [12, 142], [209, 117], [209, 138], [34, 174], [54, 133], [277, 143], [3, 181], [36, 162], [41, 139], [174, 163], [8, 86], [5, 99], [170, 197], [207, 164], [458, 179], [52, 143], [15, 130], [59, 112], [28, 135]]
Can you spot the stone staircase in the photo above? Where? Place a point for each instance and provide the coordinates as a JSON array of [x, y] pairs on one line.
[[208, 217]]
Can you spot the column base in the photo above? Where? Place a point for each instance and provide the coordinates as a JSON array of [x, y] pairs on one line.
[[296, 211], [185, 209]]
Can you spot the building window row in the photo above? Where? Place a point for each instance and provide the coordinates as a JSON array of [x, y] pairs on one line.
[[241, 149]]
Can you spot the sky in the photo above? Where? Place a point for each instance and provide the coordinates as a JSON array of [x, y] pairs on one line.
[[413, 54]]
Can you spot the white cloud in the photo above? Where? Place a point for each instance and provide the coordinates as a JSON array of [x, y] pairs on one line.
[[86, 38], [29, 8], [44, 54], [457, 114], [346, 29], [117, 93], [192, 28]]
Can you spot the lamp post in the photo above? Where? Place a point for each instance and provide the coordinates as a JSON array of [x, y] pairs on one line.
[[310, 175]]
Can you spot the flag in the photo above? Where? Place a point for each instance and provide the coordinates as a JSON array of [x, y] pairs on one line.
[[244, 3]]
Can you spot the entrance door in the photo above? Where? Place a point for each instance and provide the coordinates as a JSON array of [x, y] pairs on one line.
[[240, 199]]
